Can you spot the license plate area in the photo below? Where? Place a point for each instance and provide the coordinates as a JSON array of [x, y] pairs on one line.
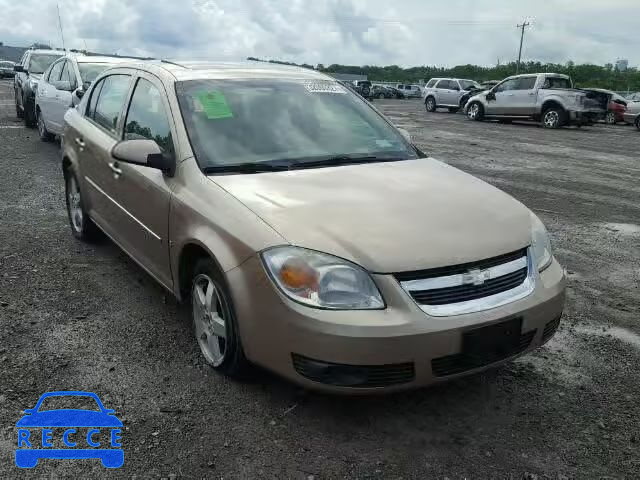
[[499, 340]]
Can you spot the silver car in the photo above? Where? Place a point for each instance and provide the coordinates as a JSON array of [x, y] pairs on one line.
[[62, 86], [446, 93], [6, 69], [632, 114]]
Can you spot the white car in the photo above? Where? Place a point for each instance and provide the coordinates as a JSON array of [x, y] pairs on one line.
[[62, 86], [410, 91], [447, 92]]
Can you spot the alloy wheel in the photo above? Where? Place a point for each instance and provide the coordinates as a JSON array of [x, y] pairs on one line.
[[42, 130], [610, 118], [473, 111], [551, 119], [209, 311], [75, 204]]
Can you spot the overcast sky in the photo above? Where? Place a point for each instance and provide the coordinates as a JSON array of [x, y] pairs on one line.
[[355, 32]]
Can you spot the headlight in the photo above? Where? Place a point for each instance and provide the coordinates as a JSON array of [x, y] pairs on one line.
[[33, 84], [540, 244], [320, 280]]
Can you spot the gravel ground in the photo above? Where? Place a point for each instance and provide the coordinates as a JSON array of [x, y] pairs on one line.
[[78, 317]]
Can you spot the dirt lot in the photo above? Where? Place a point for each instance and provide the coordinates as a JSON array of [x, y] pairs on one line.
[[77, 317]]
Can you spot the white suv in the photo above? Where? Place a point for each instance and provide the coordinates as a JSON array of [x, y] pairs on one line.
[[446, 92], [410, 91]]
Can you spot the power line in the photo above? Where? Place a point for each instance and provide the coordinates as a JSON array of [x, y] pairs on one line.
[[524, 25]]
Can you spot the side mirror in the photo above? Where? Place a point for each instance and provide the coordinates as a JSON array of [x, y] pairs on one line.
[[19, 69], [79, 92], [491, 95], [405, 134], [146, 153]]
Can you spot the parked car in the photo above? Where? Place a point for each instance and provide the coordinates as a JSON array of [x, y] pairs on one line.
[[364, 88], [6, 69], [473, 90], [395, 92], [447, 93], [336, 255], [546, 97], [409, 90], [634, 97], [616, 107], [382, 91], [28, 72], [62, 86], [632, 114]]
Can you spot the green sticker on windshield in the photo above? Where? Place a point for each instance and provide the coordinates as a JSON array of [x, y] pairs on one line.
[[214, 105]]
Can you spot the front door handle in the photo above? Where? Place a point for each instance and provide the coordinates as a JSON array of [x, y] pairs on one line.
[[80, 142], [115, 169]]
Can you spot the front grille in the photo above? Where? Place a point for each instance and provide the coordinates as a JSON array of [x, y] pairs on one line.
[[550, 328], [356, 376], [468, 281], [462, 362]]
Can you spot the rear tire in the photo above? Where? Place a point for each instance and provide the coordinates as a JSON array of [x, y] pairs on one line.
[[637, 123], [29, 114], [214, 321], [475, 111], [19, 111], [430, 104], [553, 118]]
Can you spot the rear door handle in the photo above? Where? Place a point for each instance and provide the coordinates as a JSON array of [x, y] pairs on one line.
[[115, 169]]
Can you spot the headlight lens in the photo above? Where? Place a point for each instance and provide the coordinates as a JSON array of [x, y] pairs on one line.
[[540, 244], [320, 280], [33, 84]]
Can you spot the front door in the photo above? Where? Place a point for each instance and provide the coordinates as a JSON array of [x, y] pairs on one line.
[[62, 98], [504, 101], [144, 192], [47, 94], [96, 138]]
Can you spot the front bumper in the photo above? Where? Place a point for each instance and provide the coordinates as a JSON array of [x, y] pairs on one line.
[[400, 342]]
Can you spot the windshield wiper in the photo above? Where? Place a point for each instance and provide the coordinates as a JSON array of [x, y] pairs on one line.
[[247, 168], [343, 160]]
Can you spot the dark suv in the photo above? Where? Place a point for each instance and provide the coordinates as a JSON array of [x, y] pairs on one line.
[[28, 72]]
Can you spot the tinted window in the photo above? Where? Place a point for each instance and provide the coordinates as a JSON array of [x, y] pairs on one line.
[[443, 84], [147, 117], [54, 73], [526, 83], [233, 122], [68, 75], [556, 82], [39, 62], [431, 83], [110, 101], [508, 85]]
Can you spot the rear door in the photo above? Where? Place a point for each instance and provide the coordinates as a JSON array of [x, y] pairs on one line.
[[95, 140], [47, 92], [143, 192]]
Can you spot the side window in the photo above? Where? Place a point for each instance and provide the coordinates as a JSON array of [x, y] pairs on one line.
[[508, 85], [110, 101], [526, 83], [400, 87], [54, 73], [431, 83], [443, 84], [95, 93], [453, 85], [68, 75], [147, 117]]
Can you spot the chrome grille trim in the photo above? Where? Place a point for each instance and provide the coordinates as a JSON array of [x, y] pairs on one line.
[[477, 305]]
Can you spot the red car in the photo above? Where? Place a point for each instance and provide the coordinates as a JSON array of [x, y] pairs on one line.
[[617, 107]]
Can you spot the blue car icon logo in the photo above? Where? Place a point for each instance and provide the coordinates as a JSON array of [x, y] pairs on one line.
[[69, 433]]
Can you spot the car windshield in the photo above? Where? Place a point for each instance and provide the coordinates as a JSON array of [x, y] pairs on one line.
[[39, 62], [468, 84], [62, 402], [89, 71], [556, 82], [234, 122]]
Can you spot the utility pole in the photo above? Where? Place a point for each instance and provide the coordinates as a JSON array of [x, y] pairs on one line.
[[524, 25], [60, 24]]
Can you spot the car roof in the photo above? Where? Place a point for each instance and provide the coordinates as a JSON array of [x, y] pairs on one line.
[[198, 69], [47, 51]]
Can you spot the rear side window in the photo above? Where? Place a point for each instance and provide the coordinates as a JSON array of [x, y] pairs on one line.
[[147, 118], [110, 101]]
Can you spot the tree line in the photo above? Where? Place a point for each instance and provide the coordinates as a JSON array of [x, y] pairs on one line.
[[585, 75]]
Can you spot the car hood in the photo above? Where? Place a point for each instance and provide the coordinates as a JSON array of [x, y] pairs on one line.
[[69, 418], [387, 217]]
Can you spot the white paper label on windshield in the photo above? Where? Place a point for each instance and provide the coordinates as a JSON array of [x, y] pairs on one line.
[[324, 87]]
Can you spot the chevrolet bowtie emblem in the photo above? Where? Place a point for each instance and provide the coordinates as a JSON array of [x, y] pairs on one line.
[[475, 277]]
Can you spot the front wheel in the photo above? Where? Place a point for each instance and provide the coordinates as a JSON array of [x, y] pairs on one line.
[[553, 118], [610, 118], [381, 95], [430, 104], [475, 112], [214, 321]]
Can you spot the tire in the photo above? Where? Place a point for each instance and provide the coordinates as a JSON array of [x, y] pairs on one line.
[[475, 111], [610, 118], [453, 110], [45, 135], [19, 111], [637, 123], [553, 117], [214, 321], [81, 224], [29, 114], [430, 104], [381, 96]]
